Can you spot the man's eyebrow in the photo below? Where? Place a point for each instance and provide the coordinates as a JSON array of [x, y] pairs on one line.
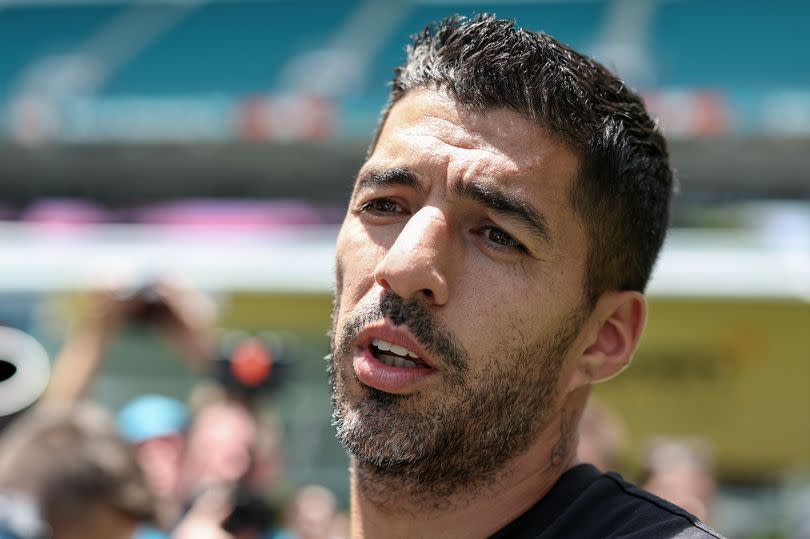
[[509, 204], [388, 177]]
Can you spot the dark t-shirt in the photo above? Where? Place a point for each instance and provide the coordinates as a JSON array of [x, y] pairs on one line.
[[586, 504]]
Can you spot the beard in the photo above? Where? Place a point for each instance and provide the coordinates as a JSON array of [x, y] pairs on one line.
[[458, 435]]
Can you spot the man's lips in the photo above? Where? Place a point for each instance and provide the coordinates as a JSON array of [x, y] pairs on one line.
[[404, 344], [395, 369]]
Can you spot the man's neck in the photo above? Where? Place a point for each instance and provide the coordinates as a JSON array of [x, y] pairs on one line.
[[380, 509]]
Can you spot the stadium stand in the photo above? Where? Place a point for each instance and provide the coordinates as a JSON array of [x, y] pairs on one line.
[[96, 76]]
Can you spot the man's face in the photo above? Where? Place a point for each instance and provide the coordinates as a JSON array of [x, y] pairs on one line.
[[461, 250], [220, 443]]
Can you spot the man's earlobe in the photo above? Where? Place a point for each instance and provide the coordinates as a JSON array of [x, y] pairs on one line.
[[620, 318]]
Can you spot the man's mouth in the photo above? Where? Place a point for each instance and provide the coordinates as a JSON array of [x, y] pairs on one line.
[[389, 359], [395, 355]]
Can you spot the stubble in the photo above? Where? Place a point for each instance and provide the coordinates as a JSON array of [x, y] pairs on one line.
[[461, 435]]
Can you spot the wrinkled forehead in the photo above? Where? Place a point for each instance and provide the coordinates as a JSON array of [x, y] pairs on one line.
[[435, 112], [429, 130]]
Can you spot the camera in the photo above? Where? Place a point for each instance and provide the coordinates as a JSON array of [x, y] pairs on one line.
[[149, 306]]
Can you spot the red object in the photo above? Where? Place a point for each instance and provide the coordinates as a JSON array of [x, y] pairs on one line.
[[285, 117], [251, 363], [691, 112]]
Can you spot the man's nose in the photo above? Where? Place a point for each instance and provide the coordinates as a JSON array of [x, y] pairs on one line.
[[415, 265]]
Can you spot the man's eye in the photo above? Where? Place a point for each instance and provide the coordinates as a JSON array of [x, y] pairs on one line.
[[501, 239], [381, 206]]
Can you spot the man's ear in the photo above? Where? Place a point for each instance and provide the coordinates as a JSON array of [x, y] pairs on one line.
[[618, 321]]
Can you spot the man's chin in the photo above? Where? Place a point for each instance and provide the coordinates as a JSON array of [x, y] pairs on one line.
[[383, 398], [378, 432]]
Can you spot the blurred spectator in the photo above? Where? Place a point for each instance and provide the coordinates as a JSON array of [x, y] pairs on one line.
[[153, 424], [230, 447], [155, 427], [80, 475], [602, 436], [204, 518], [682, 472], [223, 446], [313, 515], [220, 442]]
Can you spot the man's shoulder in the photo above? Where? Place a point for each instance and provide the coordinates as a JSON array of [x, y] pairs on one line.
[[588, 504], [647, 515]]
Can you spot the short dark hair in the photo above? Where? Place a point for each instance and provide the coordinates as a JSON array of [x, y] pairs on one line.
[[625, 183]]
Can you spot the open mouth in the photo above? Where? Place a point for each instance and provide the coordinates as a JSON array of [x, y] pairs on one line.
[[394, 355]]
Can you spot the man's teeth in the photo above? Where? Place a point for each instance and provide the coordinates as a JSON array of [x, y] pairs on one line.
[[385, 346], [393, 361]]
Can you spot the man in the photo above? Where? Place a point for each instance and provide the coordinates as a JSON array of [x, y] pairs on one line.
[[490, 269], [154, 426]]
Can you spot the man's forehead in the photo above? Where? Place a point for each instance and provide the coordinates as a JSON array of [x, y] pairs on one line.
[[435, 113], [428, 128]]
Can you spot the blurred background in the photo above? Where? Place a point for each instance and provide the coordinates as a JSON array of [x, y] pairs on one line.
[[217, 141]]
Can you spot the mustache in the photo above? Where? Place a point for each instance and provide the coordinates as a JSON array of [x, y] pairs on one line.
[[419, 319]]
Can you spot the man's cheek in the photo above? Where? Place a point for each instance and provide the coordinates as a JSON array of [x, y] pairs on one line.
[[359, 267]]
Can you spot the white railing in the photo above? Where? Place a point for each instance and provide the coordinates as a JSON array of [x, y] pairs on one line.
[[301, 259]]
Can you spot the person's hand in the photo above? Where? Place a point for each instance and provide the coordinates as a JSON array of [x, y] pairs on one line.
[[204, 519], [189, 319], [183, 313], [104, 310], [101, 313]]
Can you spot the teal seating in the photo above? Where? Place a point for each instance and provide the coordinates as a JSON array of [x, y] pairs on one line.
[[231, 48], [30, 33], [732, 45], [240, 48]]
